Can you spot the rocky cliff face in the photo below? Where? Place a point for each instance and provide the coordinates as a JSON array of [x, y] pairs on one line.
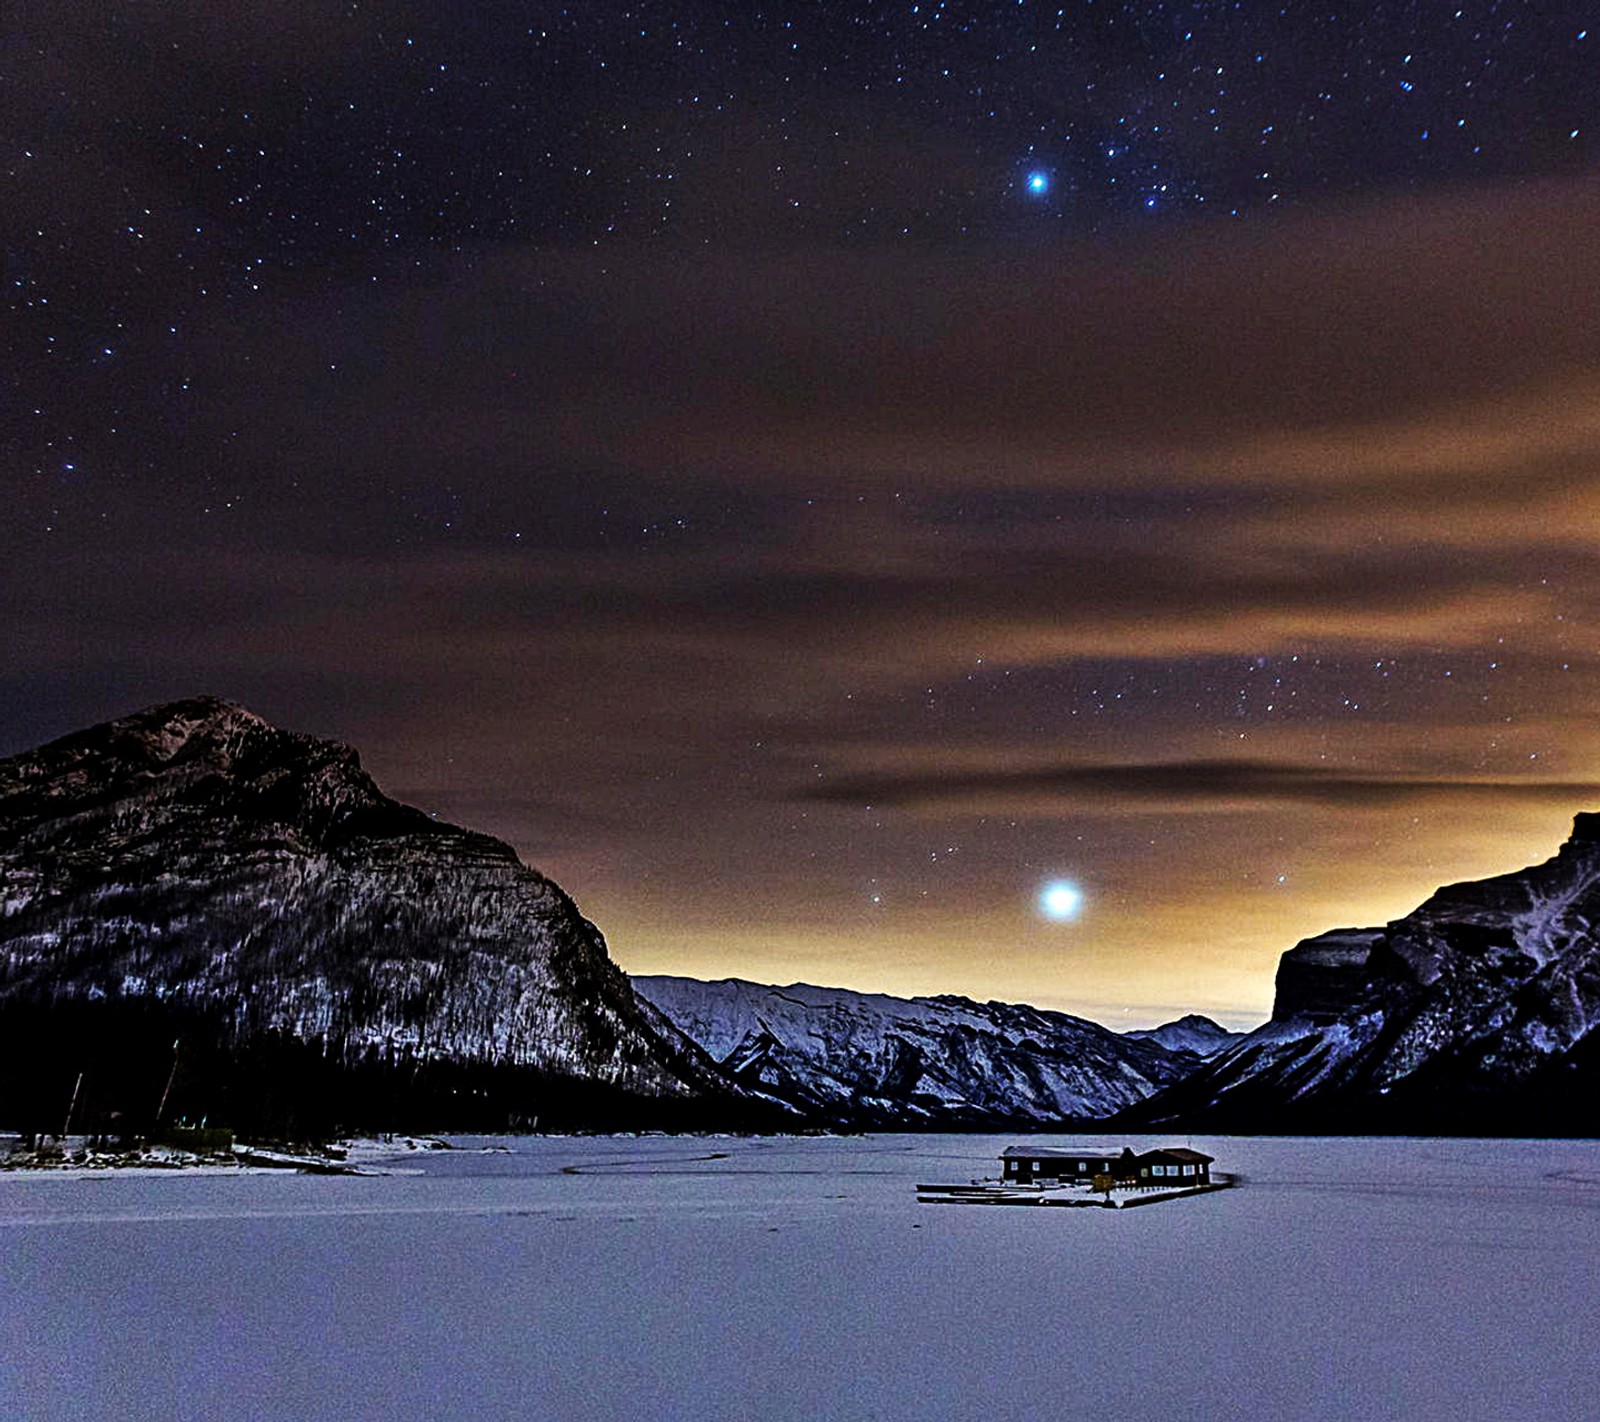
[[1319, 978], [1474, 1013], [192, 873], [868, 1060]]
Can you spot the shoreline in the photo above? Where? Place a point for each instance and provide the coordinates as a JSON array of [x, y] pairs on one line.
[[360, 1155]]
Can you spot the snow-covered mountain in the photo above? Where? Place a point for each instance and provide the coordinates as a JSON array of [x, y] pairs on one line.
[[1191, 1033], [1473, 1014], [868, 1060], [321, 954]]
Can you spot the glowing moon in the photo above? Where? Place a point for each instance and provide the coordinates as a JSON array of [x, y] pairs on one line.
[[1060, 900]]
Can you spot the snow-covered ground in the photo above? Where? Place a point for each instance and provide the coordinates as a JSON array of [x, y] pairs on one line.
[[706, 1279]]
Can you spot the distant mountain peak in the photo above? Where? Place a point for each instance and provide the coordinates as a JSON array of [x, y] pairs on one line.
[[1190, 1033], [1195, 1022]]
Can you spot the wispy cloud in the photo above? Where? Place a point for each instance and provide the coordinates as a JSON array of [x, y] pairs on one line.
[[1186, 784]]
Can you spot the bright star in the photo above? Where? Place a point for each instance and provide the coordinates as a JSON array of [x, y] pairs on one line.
[[1060, 900], [1038, 183]]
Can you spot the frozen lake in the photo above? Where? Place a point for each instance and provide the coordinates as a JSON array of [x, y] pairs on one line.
[[575, 1278]]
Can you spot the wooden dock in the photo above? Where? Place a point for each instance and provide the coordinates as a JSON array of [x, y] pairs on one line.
[[999, 1193]]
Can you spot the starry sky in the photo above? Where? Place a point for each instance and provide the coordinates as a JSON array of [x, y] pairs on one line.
[[812, 475]]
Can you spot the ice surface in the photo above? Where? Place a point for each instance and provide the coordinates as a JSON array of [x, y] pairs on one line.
[[706, 1279]]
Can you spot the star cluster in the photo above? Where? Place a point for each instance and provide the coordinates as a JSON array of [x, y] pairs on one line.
[[169, 175]]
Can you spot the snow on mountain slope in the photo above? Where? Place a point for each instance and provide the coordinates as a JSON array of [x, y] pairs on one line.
[[194, 873], [1475, 1013], [866, 1059]]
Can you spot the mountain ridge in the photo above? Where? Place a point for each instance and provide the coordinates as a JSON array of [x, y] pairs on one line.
[[871, 1060], [192, 869], [1473, 1014]]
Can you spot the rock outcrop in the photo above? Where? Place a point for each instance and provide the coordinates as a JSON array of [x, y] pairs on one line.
[[1320, 978]]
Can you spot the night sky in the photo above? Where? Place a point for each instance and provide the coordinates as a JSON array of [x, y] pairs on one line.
[[811, 475]]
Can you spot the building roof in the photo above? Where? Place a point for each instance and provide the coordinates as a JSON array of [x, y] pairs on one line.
[[1181, 1154]]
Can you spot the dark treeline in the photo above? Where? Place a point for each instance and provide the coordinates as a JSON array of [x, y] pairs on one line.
[[276, 1087]]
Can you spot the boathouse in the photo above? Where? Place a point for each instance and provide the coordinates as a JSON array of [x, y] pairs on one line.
[[1175, 1166], [1025, 1164]]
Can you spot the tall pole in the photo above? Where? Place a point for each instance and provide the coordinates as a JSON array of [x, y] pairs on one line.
[[71, 1107], [171, 1077]]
